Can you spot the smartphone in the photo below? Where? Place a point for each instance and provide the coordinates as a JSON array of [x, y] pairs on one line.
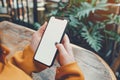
[[46, 51]]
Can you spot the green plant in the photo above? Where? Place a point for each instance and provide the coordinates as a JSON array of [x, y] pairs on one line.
[[36, 26], [92, 35], [113, 35], [78, 13]]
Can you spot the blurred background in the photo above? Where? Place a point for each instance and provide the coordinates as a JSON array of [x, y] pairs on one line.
[[93, 24]]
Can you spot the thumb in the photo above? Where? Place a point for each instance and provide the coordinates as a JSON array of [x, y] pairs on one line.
[[62, 54], [42, 29]]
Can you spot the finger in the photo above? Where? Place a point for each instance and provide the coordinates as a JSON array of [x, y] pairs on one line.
[[42, 29], [63, 57], [62, 53], [61, 49], [66, 43], [65, 39]]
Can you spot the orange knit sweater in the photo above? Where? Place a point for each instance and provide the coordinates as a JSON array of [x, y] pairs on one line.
[[21, 65]]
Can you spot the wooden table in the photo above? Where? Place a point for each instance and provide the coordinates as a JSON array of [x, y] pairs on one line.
[[94, 68]]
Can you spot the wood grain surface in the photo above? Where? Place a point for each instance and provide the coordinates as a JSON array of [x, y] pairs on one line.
[[94, 68]]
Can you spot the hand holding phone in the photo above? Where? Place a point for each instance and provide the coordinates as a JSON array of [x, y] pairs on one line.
[[46, 50]]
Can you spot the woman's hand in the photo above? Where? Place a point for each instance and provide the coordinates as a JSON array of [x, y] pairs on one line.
[[65, 55], [37, 37], [34, 43]]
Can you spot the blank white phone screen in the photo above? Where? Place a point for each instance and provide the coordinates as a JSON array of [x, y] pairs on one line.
[[47, 50]]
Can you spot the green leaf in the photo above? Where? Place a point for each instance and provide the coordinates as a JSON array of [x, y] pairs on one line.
[[93, 38], [62, 5], [86, 8], [113, 19], [36, 25], [113, 35], [53, 12], [73, 21]]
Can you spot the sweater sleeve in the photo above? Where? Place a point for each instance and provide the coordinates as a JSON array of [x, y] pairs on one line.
[[24, 60], [69, 72]]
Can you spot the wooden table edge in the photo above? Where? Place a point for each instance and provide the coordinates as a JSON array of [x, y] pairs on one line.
[[104, 63]]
